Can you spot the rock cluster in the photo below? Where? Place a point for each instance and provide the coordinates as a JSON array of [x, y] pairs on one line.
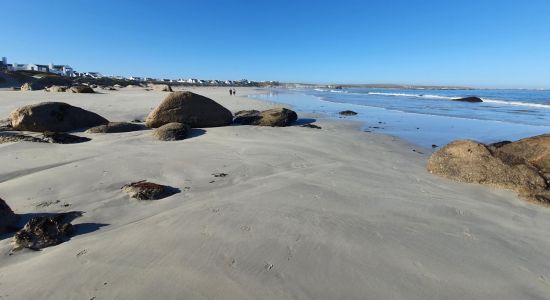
[[522, 166]]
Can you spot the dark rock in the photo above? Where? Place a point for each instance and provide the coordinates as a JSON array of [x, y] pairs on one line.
[[116, 127], [348, 113], [277, 117], [81, 89], [172, 132], [44, 231], [53, 116], [469, 99], [189, 108], [143, 190], [311, 126], [63, 138], [8, 219]]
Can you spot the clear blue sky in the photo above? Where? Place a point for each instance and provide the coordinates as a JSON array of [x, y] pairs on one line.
[[470, 42]]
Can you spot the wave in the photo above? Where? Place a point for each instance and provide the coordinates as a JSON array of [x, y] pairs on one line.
[[485, 100]]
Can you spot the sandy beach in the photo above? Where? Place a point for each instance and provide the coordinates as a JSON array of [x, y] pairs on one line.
[[303, 213]]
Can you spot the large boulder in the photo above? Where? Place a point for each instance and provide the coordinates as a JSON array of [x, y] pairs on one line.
[[81, 89], [189, 108], [8, 219], [116, 127], [473, 162], [42, 232], [172, 132], [277, 117], [53, 116], [161, 88], [469, 99]]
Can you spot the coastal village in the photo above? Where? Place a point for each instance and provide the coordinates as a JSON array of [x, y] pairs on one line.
[[68, 71]]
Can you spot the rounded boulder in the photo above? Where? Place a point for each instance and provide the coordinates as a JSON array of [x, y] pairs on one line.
[[54, 117], [189, 108]]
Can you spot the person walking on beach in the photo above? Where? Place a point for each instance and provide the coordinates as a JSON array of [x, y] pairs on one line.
[[234, 92], [230, 92]]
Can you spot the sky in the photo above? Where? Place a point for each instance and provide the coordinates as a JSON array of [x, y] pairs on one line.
[[478, 43]]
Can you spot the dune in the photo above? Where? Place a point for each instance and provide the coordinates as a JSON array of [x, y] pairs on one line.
[[260, 213]]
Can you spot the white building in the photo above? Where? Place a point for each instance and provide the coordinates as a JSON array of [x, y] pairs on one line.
[[63, 70]]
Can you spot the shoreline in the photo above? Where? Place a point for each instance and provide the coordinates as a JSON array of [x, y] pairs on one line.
[[301, 213]]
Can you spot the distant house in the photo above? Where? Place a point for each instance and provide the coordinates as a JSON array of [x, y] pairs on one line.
[[93, 75], [63, 70]]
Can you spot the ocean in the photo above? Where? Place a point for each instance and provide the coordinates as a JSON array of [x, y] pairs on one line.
[[427, 117]]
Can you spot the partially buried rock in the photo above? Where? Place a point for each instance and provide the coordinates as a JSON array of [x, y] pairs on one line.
[[189, 108], [8, 219], [44, 231], [10, 137], [520, 166], [63, 138], [311, 126], [81, 89], [56, 89], [143, 190], [116, 127], [469, 99], [53, 116], [161, 88], [172, 132], [277, 117], [348, 113]]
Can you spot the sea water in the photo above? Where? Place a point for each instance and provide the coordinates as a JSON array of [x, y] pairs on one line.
[[429, 117]]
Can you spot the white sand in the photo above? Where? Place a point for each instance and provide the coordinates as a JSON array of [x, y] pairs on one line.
[[304, 213]]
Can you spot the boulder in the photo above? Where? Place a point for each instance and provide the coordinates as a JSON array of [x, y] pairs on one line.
[[172, 132], [469, 99], [277, 117], [8, 219], [56, 89], [533, 151], [53, 116], [473, 162], [144, 190], [116, 127], [189, 108], [81, 89], [44, 231], [161, 88], [348, 113]]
